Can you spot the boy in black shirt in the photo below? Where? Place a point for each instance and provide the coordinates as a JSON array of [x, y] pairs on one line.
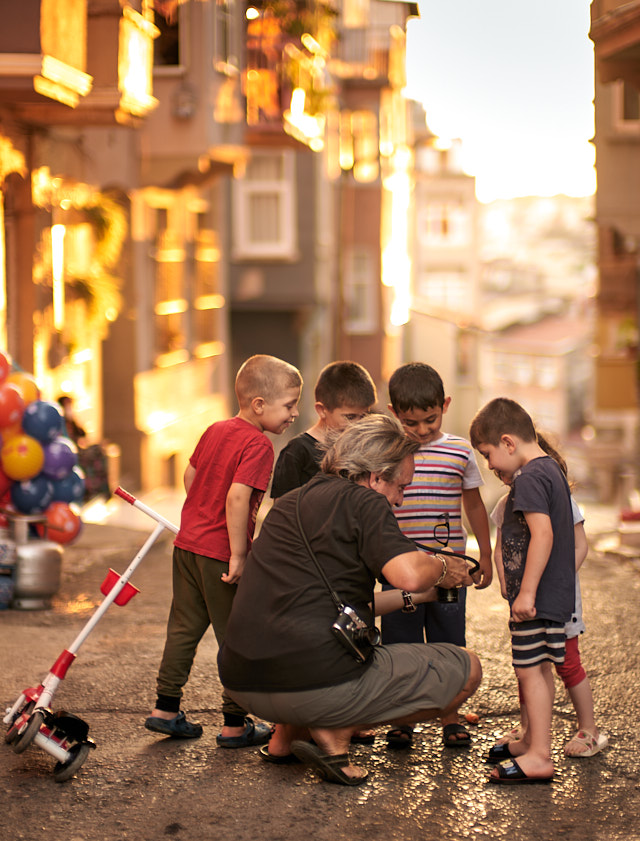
[[344, 393]]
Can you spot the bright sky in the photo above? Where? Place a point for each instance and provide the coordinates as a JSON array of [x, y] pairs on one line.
[[514, 81]]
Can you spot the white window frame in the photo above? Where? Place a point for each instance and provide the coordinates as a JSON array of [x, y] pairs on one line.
[[183, 46], [243, 189]]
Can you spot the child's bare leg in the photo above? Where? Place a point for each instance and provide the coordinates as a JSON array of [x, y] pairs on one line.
[[534, 751], [582, 700]]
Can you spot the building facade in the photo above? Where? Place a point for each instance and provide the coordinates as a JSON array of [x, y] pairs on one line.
[[615, 32]]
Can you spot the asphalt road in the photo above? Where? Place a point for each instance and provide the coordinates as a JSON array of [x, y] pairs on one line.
[[139, 786]]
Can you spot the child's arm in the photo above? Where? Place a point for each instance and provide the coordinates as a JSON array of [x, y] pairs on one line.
[[479, 522], [237, 515], [538, 553], [497, 559], [189, 476], [582, 547]]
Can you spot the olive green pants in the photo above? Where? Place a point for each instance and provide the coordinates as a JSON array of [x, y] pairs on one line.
[[200, 599]]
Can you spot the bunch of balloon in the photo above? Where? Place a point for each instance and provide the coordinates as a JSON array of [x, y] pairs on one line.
[[38, 463]]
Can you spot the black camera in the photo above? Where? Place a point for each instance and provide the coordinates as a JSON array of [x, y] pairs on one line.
[[352, 632]]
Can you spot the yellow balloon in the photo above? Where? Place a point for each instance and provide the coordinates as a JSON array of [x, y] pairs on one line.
[[22, 457], [27, 385]]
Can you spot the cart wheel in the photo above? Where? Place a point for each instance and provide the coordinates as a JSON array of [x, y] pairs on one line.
[[65, 770], [30, 732], [12, 731]]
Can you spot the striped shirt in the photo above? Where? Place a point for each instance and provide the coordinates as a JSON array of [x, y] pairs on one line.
[[444, 468]]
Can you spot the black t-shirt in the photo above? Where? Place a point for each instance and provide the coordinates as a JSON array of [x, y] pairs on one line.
[[298, 462], [279, 634], [540, 486]]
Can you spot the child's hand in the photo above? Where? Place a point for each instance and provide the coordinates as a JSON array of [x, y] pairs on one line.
[[482, 578], [523, 609], [236, 567]]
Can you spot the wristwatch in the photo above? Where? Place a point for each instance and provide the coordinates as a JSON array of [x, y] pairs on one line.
[[409, 606]]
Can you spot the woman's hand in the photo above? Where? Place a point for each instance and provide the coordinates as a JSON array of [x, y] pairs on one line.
[[457, 572]]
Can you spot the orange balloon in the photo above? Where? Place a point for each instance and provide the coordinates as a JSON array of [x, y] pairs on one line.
[[22, 457], [26, 384]]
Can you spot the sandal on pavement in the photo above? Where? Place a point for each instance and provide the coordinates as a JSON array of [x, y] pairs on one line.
[[177, 728], [254, 734], [592, 744], [510, 772], [329, 766], [286, 759], [451, 734], [498, 753], [513, 735], [400, 736]]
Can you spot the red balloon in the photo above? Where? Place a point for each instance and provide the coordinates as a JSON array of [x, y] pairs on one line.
[[11, 405], [5, 367], [5, 483], [63, 521]]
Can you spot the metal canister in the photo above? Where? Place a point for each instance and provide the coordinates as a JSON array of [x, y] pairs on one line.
[[38, 564]]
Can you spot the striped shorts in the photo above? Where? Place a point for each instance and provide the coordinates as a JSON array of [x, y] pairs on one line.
[[537, 640]]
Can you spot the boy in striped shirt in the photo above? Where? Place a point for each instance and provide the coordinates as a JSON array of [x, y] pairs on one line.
[[446, 481]]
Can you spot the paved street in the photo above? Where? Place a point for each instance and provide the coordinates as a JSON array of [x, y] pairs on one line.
[[139, 786]]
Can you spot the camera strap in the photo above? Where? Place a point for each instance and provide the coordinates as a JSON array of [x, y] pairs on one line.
[[336, 598]]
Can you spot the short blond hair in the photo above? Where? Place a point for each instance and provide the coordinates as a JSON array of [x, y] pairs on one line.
[[377, 444], [265, 376]]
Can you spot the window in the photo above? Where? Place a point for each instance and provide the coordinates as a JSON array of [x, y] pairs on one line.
[[169, 48], [443, 289], [188, 301], [359, 297], [225, 58], [264, 214], [626, 105], [444, 223]]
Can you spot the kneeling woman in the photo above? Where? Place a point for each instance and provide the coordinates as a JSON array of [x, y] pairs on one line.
[[282, 659]]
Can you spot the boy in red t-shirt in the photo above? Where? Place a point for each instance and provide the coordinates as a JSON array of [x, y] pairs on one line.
[[225, 481]]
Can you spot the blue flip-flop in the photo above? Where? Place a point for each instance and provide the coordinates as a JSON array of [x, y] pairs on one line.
[[176, 728], [254, 734]]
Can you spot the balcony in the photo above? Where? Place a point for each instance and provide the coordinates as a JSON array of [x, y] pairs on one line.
[[76, 62], [43, 58], [286, 81], [615, 32]]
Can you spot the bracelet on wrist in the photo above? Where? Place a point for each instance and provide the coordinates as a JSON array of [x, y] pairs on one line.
[[444, 570], [409, 606]]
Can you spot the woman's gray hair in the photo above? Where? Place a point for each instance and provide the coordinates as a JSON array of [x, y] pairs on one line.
[[377, 444]]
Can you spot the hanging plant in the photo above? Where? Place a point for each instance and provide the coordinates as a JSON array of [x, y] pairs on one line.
[[97, 282], [99, 287]]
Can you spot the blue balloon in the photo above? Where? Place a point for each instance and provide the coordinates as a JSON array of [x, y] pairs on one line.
[[42, 420], [60, 457], [33, 496], [70, 488]]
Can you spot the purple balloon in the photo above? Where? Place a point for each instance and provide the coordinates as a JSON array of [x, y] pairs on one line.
[[33, 496], [70, 488], [60, 457], [42, 420]]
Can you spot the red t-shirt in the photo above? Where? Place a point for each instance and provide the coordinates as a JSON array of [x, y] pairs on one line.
[[229, 451]]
